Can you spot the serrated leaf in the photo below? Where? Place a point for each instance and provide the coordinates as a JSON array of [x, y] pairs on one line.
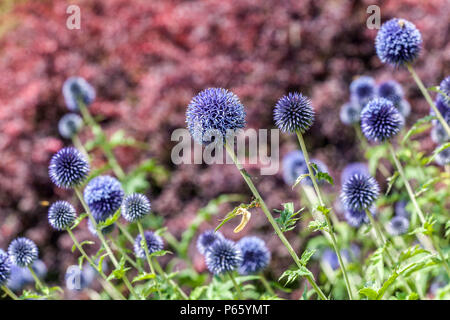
[[78, 220], [438, 150], [420, 126], [143, 277], [292, 275], [322, 175], [306, 255], [288, 218], [112, 219], [316, 225]]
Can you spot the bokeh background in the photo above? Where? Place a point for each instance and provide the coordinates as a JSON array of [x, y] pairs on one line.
[[147, 59]]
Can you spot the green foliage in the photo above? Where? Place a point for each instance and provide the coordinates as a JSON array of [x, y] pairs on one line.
[[288, 217]]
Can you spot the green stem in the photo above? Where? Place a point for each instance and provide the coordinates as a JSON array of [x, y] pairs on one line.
[[266, 284], [116, 293], [125, 232], [10, 293], [118, 248], [428, 98], [238, 290], [77, 143], [172, 283], [39, 284], [330, 226], [103, 241], [272, 220]]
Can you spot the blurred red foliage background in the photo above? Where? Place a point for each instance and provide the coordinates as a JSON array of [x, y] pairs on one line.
[[147, 59]]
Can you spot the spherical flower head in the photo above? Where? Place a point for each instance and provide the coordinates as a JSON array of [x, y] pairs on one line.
[[380, 120], [438, 133], [353, 168], [206, 239], [398, 225], [212, 112], [5, 267], [362, 89], [356, 218], [293, 112], [398, 42], [68, 168], [442, 107], [350, 113], [135, 207], [23, 252], [293, 166], [444, 87], [391, 90], [359, 192], [77, 90], [75, 278], [16, 280], [61, 215], [443, 157], [255, 255], [154, 244], [104, 196], [69, 125], [222, 256]]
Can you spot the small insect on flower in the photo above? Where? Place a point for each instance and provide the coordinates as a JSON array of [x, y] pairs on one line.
[[77, 90], [293, 112], [135, 207], [398, 225], [76, 279], [206, 239], [350, 113], [356, 218], [359, 192], [353, 168], [212, 113], [5, 267], [222, 256], [391, 90], [398, 42], [362, 90], [444, 87], [61, 215], [103, 195], [23, 252], [255, 255], [154, 244], [380, 120], [69, 125], [68, 168]]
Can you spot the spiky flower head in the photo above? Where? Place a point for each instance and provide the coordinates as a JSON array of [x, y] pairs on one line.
[[154, 244], [222, 256], [359, 192], [391, 90], [69, 125], [293, 166], [135, 207], [61, 215], [206, 239], [353, 168], [380, 120], [362, 90], [255, 255], [5, 267], [76, 279], [356, 218], [398, 225], [444, 87], [398, 42], [443, 157], [68, 168], [77, 90], [212, 112], [103, 195], [293, 112], [350, 113], [23, 252]]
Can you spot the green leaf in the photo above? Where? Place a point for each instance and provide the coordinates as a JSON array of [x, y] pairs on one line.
[[299, 179], [292, 275], [143, 277], [438, 150], [391, 180], [74, 247], [288, 218], [322, 175], [109, 221], [307, 254], [160, 253], [420, 126], [370, 293], [78, 220], [317, 225]]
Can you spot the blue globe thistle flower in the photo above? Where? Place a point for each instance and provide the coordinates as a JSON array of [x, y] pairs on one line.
[[214, 111], [359, 192], [255, 255], [68, 168], [293, 112], [23, 252], [76, 90], [39, 268], [135, 207], [354, 168], [398, 225], [398, 42], [75, 278], [442, 107], [443, 157], [206, 239], [222, 256], [293, 166], [350, 113], [154, 243], [105, 230], [16, 281], [103, 195], [356, 218], [391, 90], [69, 125], [380, 120], [5, 267], [400, 209], [362, 90], [404, 108], [438, 133], [61, 215], [444, 86]]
